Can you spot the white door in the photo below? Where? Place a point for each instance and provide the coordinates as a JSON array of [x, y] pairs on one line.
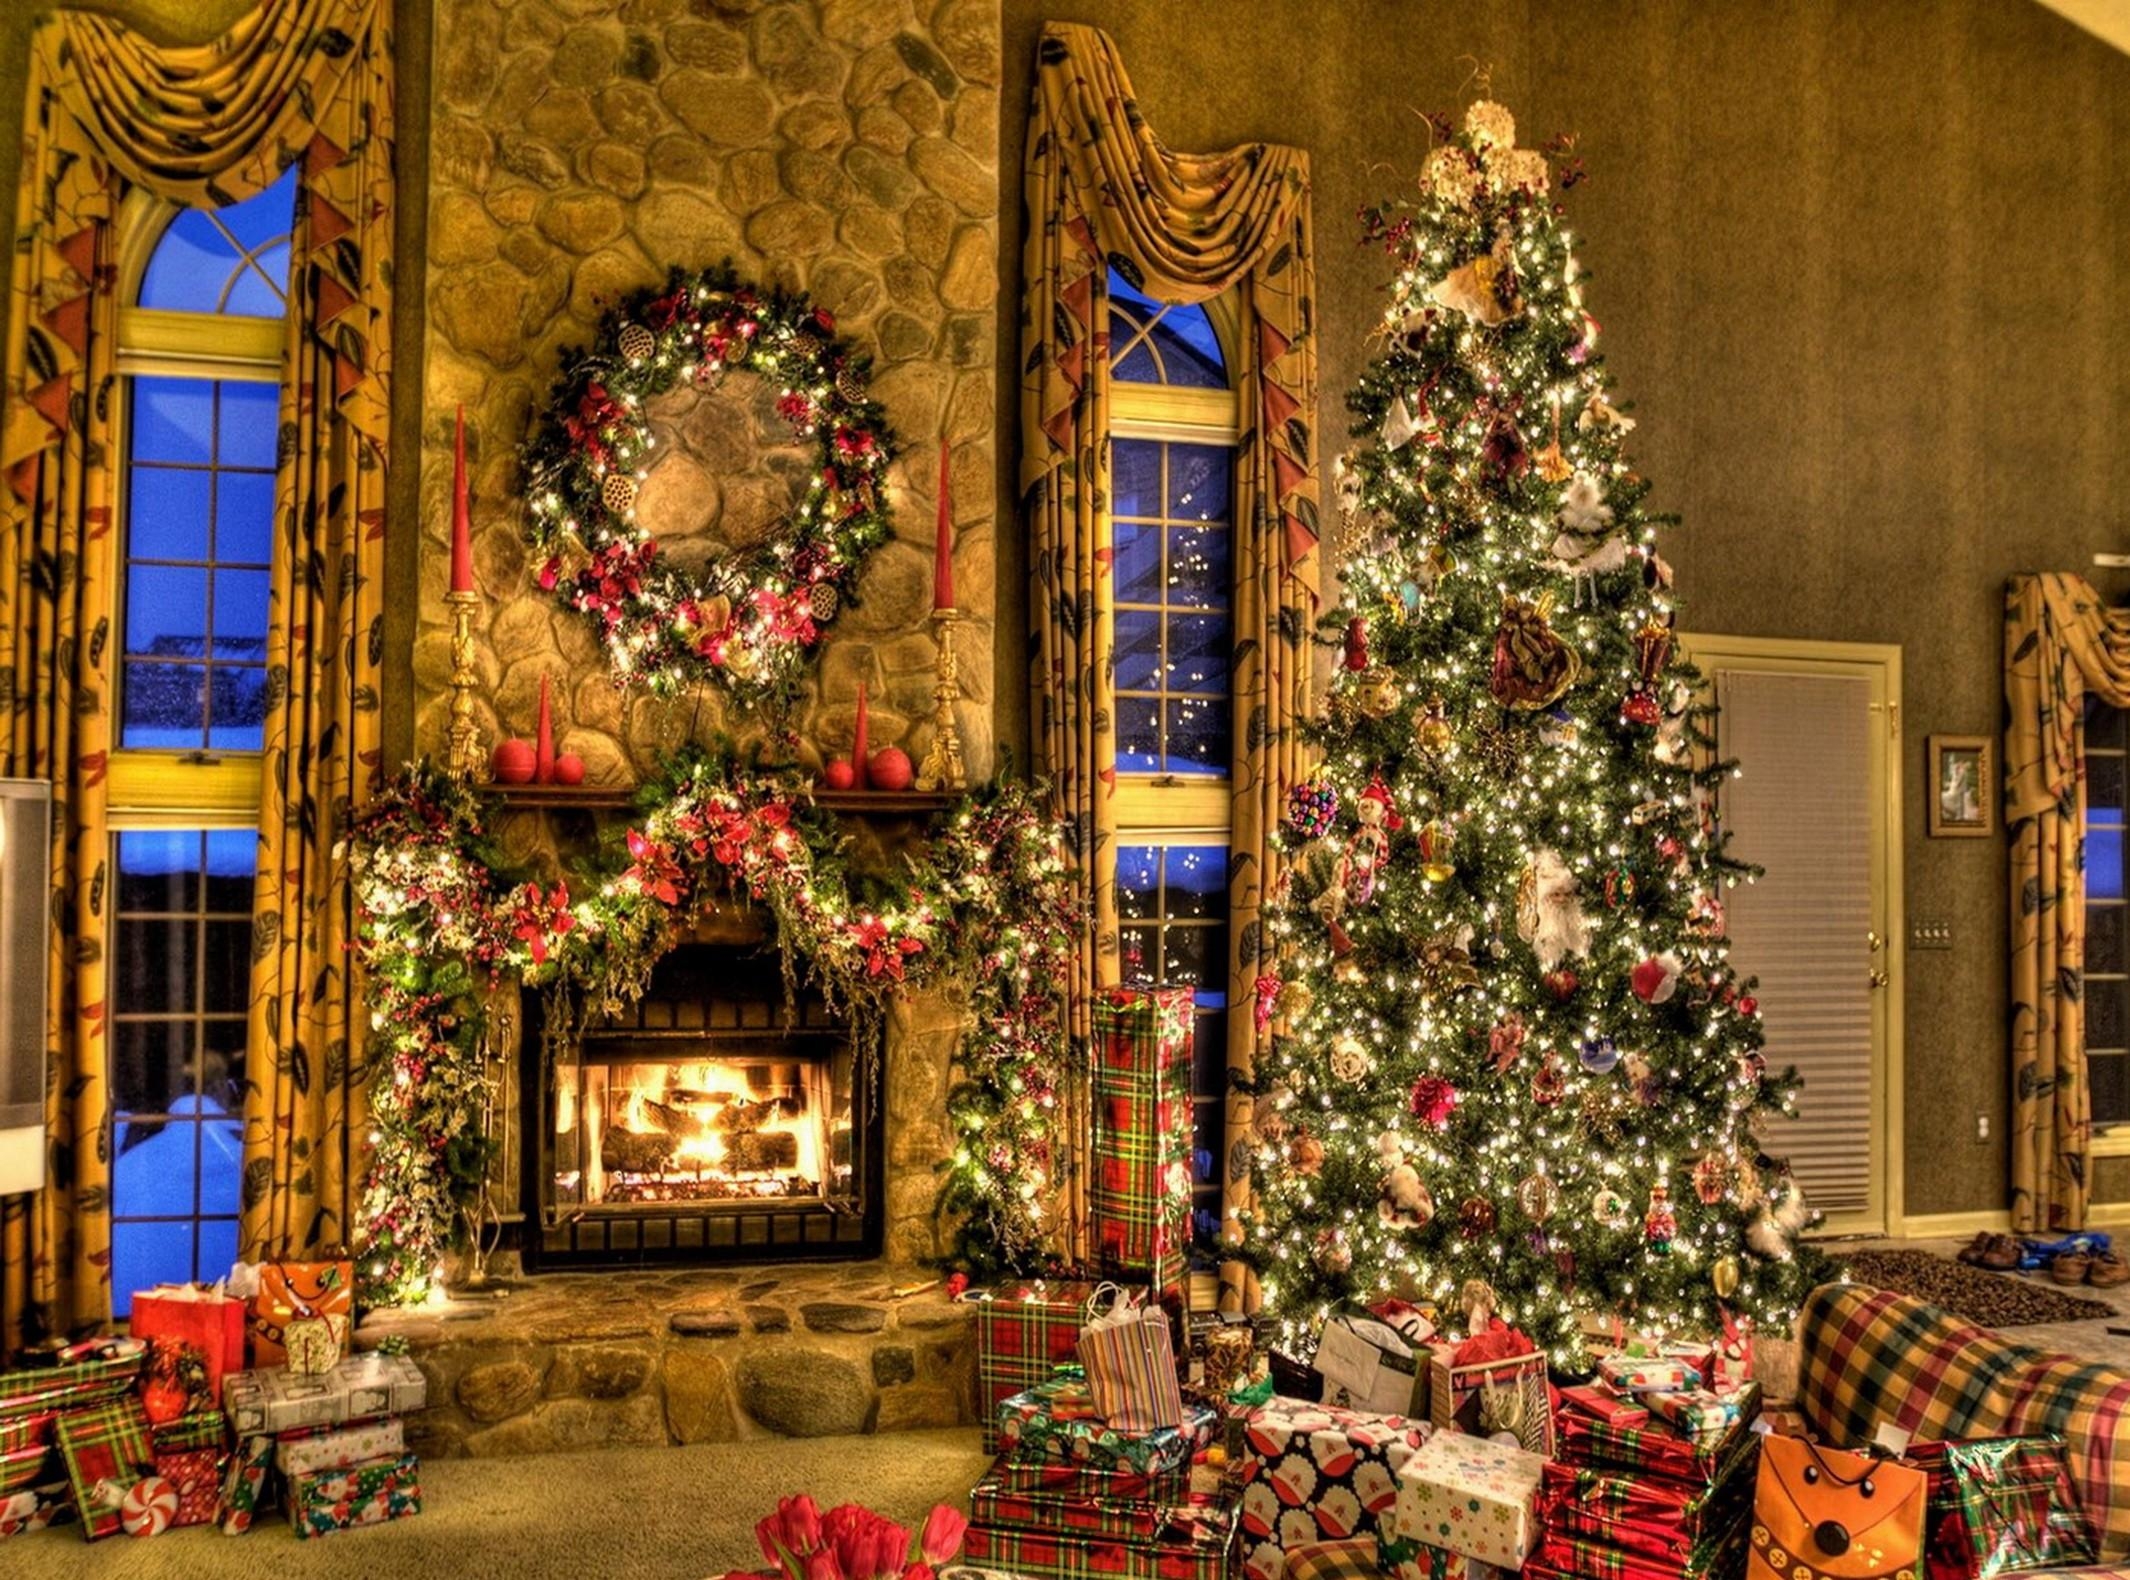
[[1814, 729]]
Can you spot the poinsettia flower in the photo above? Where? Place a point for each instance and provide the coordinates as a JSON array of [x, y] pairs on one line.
[[654, 871]]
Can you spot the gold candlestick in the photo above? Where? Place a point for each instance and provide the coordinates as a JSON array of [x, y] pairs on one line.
[[464, 758], [942, 768]]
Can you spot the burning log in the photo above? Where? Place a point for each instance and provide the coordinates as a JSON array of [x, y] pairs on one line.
[[759, 1151], [628, 1152]]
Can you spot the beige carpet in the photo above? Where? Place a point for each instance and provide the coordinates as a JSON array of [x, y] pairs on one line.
[[646, 1513]]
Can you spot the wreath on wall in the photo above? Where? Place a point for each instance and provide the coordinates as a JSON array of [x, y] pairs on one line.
[[986, 904], [749, 620]]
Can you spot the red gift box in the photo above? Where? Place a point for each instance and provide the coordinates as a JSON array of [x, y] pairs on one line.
[[1024, 1332]]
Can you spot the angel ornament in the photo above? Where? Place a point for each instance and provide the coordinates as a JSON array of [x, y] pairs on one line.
[[1587, 547]]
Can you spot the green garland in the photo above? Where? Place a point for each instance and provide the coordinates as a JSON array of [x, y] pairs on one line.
[[987, 905]]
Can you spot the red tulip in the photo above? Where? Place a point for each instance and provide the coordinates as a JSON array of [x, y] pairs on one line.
[[942, 1534], [821, 1565]]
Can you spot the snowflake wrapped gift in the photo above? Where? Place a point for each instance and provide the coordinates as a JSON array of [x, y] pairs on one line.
[[1472, 1496]]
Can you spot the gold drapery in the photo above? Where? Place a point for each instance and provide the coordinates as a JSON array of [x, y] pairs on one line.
[[2062, 643], [1102, 191], [107, 113]]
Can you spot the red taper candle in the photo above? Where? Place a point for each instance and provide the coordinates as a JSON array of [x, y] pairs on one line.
[[461, 521], [858, 774], [943, 550], [544, 739]]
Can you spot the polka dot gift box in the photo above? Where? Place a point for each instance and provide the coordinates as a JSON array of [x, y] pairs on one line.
[[1472, 1496], [1313, 1473]]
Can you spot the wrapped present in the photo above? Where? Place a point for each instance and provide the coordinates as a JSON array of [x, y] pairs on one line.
[[1130, 1361], [360, 1387], [288, 1290], [1139, 1200], [1206, 1519], [29, 1464], [1647, 1516], [1107, 1483], [36, 1508], [325, 1501], [1472, 1496], [1479, 1394], [1196, 1542], [1024, 1332], [195, 1475], [1313, 1473], [336, 1448], [244, 1484], [1602, 1402], [1697, 1412], [1384, 1560], [1058, 1422], [1998, 1505], [1659, 1448], [106, 1450], [41, 1392], [1562, 1557], [208, 1320], [1369, 1365], [1648, 1374]]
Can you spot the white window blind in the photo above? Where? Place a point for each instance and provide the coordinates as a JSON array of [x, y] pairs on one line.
[[1801, 809]]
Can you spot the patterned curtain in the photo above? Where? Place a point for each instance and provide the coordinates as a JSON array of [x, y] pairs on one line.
[[108, 112], [2061, 642], [1102, 191]]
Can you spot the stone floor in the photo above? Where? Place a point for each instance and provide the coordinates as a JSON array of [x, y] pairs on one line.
[[586, 1360]]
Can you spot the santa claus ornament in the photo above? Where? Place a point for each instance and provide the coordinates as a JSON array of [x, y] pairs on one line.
[[1656, 979], [1370, 845], [1549, 914]]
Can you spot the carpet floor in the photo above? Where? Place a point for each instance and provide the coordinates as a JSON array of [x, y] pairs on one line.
[[647, 1513]]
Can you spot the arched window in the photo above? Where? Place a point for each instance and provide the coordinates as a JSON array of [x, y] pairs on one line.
[[200, 356], [1173, 436]]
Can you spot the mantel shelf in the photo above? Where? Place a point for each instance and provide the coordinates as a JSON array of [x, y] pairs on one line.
[[597, 798]]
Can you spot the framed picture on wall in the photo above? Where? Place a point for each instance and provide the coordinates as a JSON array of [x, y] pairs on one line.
[[1963, 793]]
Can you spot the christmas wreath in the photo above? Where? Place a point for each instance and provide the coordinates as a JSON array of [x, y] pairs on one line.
[[750, 618]]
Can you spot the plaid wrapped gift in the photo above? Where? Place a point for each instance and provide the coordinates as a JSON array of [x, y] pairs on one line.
[[1868, 1356], [1471, 1495], [1088, 1481], [244, 1485], [34, 1508], [1207, 1519], [105, 1447], [343, 1500], [1024, 1332], [358, 1388], [1057, 1422], [1562, 1557], [1658, 1448], [1139, 1201], [1648, 1516], [1999, 1505], [41, 1391], [27, 1465], [1196, 1548], [1314, 1473]]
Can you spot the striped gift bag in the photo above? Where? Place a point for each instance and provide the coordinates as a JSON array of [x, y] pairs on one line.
[[1131, 1363]]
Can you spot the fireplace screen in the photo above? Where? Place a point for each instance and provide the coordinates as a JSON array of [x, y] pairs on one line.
[[716, 1120]]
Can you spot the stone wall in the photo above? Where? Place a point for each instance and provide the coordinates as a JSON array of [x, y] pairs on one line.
[[578, 150]]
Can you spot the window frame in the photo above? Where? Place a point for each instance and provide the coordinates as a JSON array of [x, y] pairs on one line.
[[2109, 1138]]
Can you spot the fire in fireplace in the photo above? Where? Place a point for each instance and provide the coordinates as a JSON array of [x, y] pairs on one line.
[[715, 1121]]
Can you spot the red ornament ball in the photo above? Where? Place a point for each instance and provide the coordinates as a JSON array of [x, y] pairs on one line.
[[1562, 983], [569, 769], [1656, 979], [890, 770], [514, 762], [838, 774]]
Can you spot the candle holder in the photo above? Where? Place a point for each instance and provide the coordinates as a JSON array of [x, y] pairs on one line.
[[942, 768], [464, 758]]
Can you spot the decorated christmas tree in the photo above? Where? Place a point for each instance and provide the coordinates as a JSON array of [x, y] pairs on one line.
[[1508, 1043]]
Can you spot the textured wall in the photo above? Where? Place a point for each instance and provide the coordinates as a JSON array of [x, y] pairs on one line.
[[578, 150], [1862, 269]]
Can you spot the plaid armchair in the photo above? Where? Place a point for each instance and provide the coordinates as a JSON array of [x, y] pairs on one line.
[[1867, 1357]]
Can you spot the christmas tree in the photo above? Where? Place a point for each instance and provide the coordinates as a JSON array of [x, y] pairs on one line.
[[1507, 1042]]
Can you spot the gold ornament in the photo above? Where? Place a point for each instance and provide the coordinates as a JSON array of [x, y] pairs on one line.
[[619, 492], [806, 344], [636, 342], [1533, 667], [1376, 697], [1445, 969], [1498, 751], [1538, 1196], [1723, 1277], [1294, 1001], [1600, 1124], [1434, 733]]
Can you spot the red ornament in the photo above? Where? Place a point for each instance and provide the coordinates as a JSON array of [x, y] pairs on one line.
[[514, 762], [838, 774], [1656, 979], [1562, 983], [1433, 1101], [1357, 644], [569, 769], [890, 769], [1550, 1085], [1749, 1005]]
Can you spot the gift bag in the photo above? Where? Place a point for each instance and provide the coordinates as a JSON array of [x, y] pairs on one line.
[[1367, 1365], [1999, 1505], [1836, 1515], [1485, 1396], [292, 1290], [210, 1320], [1130, 1359]]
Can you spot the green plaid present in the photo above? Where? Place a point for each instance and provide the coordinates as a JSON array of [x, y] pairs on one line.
[[106, 1450], [1139, 1203], [1648, 1516], [36, 1390], [999, 1504], [1057, 1423], [1201, 1548], [1024, 1332], [341, 1500]]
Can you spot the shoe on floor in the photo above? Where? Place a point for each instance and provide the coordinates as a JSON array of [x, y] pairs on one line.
[[2108, 1270], [2070, 1268], [2001, 1255], [1972, 1251]]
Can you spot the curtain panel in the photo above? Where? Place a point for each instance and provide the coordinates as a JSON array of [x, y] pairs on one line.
[[1102, 191], [2062, 643], [108, 113]]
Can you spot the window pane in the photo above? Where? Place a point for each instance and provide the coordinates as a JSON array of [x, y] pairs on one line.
[[159, 870], [1138, 651], [166, 611], [2104, 938], [146, 1254], [222, 1066], [1197, 736], [221, 1164], [240, 615], [244, 518], [166, 513], [267, 214], [2104, 725], [2108, 1079], [186, 272], [1194, 955], [228, 967], [1198, 653], [1197, 880], [2104, 863], [1138, 735], [166, 705], [1190, 351], [251, 412], [2104, 789], [1138, 872], [1135, 478], [1199, 481], [239, 718], [1137, 366], [173, 420], [1198, 567], [2104, 1015], [1141, 951], [157, 969], [251, 297], [156, 1169], [218, 1247], [232, 865], [1137, 563], [151, 1065]]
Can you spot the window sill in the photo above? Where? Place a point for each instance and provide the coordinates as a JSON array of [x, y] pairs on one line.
[[2114, 1142]]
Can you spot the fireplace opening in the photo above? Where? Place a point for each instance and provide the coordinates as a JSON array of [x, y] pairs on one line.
[[714, 1121]]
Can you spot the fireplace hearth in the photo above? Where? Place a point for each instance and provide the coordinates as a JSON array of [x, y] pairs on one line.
[[715, 1121]]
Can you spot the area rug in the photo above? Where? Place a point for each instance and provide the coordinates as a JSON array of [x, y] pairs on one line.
[[1995, 1300]]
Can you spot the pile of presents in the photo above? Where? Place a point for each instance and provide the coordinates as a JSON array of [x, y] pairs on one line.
[[1134, 1441], [222, 1403]]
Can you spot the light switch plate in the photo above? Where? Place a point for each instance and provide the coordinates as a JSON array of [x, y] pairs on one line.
[[1932, 934]]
